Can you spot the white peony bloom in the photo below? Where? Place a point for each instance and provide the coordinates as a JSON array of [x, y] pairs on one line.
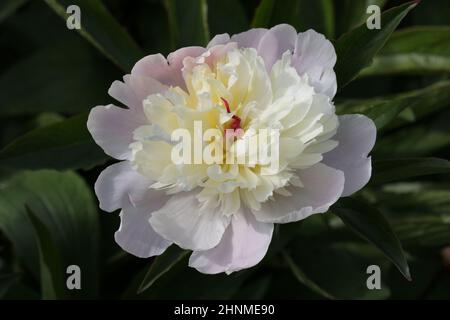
[[225, 212]]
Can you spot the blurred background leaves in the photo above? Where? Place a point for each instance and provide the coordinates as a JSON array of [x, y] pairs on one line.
[[52, 76]]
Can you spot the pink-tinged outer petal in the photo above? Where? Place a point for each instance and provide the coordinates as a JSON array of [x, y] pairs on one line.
[[134, 90], [210, 57], [356, 136], [119, 186], [275, 42], [136, 235], [243, 245], [315, 56], [223, 38], [250, 38], [168, 71], [112, 129], [182, 221], [322, 186]]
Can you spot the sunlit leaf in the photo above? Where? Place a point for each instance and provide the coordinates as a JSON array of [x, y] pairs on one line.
[[416, 50], [65, 205], [50, 266]]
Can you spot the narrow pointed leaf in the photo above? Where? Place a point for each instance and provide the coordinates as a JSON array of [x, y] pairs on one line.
[[161, 265], [404, 168], [350, 14], [263, 14], [102, 30], [370, 224], [188, 22], [356, 49], [64, 145], [303, 278], [416, 50], [65, 205], [51, 279], [384, 110]]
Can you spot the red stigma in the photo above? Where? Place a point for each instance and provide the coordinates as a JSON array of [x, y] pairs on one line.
[[227, 105], [235, 120]]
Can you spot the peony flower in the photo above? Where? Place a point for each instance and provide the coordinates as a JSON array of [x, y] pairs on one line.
[[225, 213]]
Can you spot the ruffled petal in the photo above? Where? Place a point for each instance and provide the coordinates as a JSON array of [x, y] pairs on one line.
[[243, 245], [182, 221], [168, 71], [119, 186], [322, 186], [315, 56], [136, 235], [134, 90], [356, 136], [223, 38], [112, 129], [250, 38], [275, 42]]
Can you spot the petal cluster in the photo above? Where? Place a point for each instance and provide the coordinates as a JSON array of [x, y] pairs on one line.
[[263, 79]]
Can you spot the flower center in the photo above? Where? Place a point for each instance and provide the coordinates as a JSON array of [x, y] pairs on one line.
[[276, 100]]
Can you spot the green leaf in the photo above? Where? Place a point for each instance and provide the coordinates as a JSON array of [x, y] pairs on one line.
[[416, 141], [337, 267], [301, 14], [64, 145], [370, 224], [263, 14], [161, 265], [404, 168], [51, 269], [303, 278], [170, 6], [385, 109], [183, 282], [356, 48], [419, 212], [65, 78], [416, 50], [350, 14], [382, 112], [65, 205], [188, 22], [102, 30], [8, 7]]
